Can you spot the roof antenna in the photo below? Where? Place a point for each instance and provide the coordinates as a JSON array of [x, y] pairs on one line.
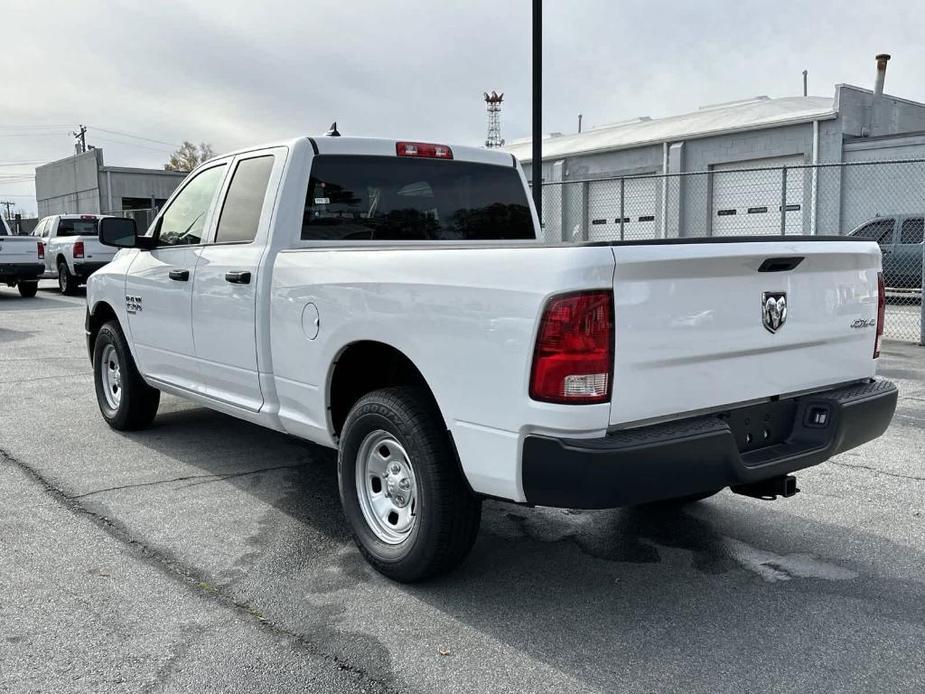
[[332, 131]]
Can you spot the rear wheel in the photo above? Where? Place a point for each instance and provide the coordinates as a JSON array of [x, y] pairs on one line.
[[28, 289], [67, 282], [412, 513], [125, 400]]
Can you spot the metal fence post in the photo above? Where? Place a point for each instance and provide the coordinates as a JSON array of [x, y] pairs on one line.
[[622, 197], [922, 299], [783, 201]]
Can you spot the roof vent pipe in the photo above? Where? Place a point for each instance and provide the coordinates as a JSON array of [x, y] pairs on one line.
[[882, 60]]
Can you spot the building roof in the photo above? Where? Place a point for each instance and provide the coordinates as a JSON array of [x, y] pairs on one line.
[[753, 114]]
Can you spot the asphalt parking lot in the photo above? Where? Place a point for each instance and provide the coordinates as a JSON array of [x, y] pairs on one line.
[[206, 554]]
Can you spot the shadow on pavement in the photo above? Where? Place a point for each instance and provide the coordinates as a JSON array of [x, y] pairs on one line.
[[721, 589]]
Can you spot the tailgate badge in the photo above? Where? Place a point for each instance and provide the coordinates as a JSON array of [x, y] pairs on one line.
[[773, 310]]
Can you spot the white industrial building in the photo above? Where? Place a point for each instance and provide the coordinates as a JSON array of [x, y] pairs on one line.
[[756, 157], [84, 183]]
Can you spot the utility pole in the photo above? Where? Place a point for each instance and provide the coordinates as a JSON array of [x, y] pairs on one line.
[[805, 73], [536, 163], [81, 137], [8, 205], [579, 123]]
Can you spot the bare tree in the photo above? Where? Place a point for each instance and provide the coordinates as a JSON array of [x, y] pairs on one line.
[[188, 156]]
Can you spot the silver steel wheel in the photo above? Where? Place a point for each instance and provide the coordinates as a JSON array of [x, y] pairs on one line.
[[386, 487], [111, 376], [62, 277]]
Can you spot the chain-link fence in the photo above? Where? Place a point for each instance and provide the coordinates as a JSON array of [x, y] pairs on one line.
[[880, 200], [143, 217]]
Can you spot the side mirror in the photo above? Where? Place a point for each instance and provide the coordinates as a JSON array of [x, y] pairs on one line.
[[120, 232]]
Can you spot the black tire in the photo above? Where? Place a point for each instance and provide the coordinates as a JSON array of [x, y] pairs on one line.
[[67, 282], [28, 289], [447, 513], [137, 402]]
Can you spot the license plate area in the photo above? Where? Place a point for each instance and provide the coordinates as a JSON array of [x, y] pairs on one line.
[[759, 426]]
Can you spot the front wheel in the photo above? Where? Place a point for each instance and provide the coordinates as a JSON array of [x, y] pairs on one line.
[[28, 289], [126, 401], [411, 511]]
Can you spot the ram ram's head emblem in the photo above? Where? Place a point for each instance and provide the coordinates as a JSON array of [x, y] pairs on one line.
[[773, 310]]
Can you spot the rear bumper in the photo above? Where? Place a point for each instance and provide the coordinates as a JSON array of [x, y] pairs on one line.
[[10, 272], [706, 453], [84, 270]]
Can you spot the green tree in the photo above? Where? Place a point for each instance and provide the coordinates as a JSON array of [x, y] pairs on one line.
[[188, 156]]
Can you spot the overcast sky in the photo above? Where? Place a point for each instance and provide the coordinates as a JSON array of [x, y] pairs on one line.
[[236, 73]]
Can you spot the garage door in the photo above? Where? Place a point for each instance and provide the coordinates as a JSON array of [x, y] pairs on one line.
[[639, 209], [748, 202]]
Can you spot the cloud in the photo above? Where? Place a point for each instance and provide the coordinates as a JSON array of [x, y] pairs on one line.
[[235, 73]]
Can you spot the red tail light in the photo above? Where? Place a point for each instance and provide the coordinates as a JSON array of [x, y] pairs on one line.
[[78, 249], [423, 150], [41, 251], [881, 310], [573, 360]]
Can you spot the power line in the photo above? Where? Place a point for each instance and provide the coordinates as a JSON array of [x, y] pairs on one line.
[[133, 136], [133, 144]]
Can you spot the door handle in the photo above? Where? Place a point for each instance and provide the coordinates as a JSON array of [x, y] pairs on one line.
[[238, 277], [179, 275]]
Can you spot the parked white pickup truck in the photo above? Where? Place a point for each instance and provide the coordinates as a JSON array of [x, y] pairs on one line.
[[391, 300], [20, 265], [72, 250]]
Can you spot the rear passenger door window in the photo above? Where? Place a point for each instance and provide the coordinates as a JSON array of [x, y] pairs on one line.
[[243, 205], [912, 231]]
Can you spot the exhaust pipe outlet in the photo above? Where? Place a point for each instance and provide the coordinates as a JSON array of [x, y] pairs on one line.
[[882, 60], [769, 489]]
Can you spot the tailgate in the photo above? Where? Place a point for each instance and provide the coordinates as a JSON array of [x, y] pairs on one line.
[[19, 249], [690, 323], [95, 251]]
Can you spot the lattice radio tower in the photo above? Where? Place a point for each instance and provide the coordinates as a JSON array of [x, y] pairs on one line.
[[493, 104]]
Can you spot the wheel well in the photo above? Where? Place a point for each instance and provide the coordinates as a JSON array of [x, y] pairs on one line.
[[60, 259], [102, 314], [367, 366]]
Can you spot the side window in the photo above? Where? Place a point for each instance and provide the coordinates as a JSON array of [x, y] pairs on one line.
[[183, 223], [880, 231], [912, 231], [244, 201]]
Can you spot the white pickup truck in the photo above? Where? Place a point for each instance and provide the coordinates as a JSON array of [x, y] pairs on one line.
[[20, 264], [71, 248], [391, 300]]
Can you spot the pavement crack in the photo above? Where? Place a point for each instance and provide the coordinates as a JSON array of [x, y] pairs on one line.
[[189, 577], [48, 378], [210, 478], [877, 471]]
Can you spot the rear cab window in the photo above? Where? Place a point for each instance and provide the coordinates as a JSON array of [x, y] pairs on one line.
[[85, 226], [382, 198]]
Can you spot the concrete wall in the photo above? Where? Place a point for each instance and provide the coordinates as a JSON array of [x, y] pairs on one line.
[[69, 185], [135, 183], [869, 190]]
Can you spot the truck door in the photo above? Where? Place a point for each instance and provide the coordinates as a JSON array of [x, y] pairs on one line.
[[158, 285], [227, 277], [907, 254]]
